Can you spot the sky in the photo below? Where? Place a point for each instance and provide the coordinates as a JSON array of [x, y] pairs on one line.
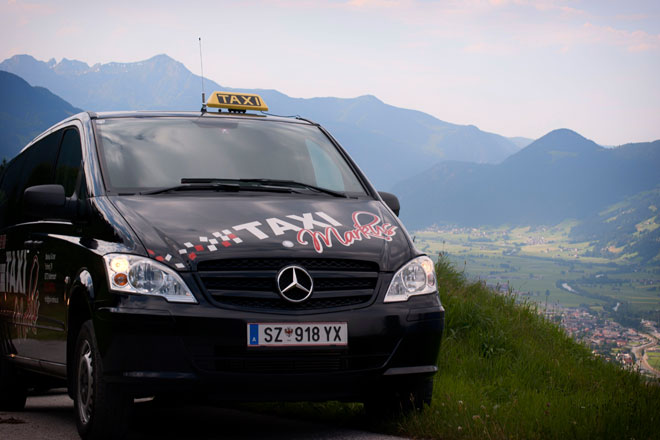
[[516, 68]]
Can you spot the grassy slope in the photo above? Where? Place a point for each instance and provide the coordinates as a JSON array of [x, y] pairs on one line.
[[654, 360], [507, 373]]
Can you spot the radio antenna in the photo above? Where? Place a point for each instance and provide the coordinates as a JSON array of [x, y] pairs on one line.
[[201, 65]]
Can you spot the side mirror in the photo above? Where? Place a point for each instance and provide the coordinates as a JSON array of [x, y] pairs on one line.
[[391, 201], [44, 202]]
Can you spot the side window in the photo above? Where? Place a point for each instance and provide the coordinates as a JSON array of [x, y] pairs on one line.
[[9, 194], [40, 162], [38, 169], [68, 162]]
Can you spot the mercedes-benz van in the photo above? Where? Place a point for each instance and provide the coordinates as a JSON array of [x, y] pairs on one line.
[[225, 253]]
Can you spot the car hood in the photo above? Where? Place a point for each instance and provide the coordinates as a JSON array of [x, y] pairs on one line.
[[183, 230]]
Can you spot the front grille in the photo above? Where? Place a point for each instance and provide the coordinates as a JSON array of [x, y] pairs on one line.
[[250, 284], [279, 304], [269, 285], [278, 263]]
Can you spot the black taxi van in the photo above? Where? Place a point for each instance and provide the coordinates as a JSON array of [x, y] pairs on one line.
[[227, 253]]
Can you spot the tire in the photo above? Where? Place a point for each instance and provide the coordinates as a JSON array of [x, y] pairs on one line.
[[400, 400], [13, 390], [102, 409]]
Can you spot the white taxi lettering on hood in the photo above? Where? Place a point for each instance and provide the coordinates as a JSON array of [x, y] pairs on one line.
[[280, 226], [308, 221], [252, 228], [318, 229], [327, 218]]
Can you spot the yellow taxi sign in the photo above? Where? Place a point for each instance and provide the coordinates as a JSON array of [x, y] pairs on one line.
[[236, 101]]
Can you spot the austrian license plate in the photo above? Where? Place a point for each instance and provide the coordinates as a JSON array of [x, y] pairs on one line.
[[299, 334]]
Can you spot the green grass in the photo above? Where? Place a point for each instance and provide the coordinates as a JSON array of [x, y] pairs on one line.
[[654, 359], [506, 373]]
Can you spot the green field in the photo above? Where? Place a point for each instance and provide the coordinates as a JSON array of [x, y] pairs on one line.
[[654, 359], [542, 264]]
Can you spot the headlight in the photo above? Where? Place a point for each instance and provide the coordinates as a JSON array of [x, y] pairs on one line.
[[134, 274], [417, 277]]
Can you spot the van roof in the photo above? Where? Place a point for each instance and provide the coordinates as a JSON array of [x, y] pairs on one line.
[[225, 114], [89, 115]]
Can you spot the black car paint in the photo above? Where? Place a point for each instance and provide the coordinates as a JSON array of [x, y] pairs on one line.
[[166, 222], [152, 345]]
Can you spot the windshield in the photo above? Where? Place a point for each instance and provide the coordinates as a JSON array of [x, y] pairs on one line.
[[150, 153]]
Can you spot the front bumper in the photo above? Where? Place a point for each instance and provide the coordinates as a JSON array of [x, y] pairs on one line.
[[152, 346]]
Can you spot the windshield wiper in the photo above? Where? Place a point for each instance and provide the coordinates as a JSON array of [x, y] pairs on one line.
[[213, 184], [297, 184], [219, 184], [194, 186]]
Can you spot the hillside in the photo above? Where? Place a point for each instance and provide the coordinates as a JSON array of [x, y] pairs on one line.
[[26, 112], [507, 373], [388, 143], [557, 177], [629, 229]]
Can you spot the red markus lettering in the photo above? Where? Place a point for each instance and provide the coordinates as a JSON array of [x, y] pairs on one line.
[[371, 229]]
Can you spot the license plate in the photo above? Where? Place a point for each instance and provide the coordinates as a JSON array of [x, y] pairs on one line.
[[299, 334]]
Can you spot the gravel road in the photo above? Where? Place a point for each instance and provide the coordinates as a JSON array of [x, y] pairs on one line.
[[51, 417]]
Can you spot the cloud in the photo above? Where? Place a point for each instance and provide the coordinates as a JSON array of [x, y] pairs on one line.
[[19, 14], [632, 17], [65, 31], [557, 26], [31, 8], [633, 41], [558, 6], [483, 48], [121, 31], [377, 3]]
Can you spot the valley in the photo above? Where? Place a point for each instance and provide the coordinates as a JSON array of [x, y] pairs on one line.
[[611, 305], [544, 265]]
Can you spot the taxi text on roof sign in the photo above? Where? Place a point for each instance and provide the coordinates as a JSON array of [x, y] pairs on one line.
[[236, 101]]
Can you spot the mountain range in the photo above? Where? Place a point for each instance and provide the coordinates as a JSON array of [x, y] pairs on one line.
[[21, 118], [443, 173], [560, 176], [387, 142]]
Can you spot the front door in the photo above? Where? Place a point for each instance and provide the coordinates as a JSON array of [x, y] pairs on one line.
[[55, 243]]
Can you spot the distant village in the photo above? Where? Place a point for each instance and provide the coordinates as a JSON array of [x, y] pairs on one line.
[[606, 338], [609, 339]]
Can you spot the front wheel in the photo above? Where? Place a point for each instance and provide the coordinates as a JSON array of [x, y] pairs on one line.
[[402, 399], [102, 409]]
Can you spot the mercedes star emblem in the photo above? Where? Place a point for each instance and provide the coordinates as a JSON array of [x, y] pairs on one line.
[[294, 283]]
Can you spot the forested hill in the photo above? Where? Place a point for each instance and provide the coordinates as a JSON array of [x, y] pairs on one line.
[[388, 143], [557, 177], [26, 111]]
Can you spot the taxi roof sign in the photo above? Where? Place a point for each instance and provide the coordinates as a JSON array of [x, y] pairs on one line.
[[236, 101]]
